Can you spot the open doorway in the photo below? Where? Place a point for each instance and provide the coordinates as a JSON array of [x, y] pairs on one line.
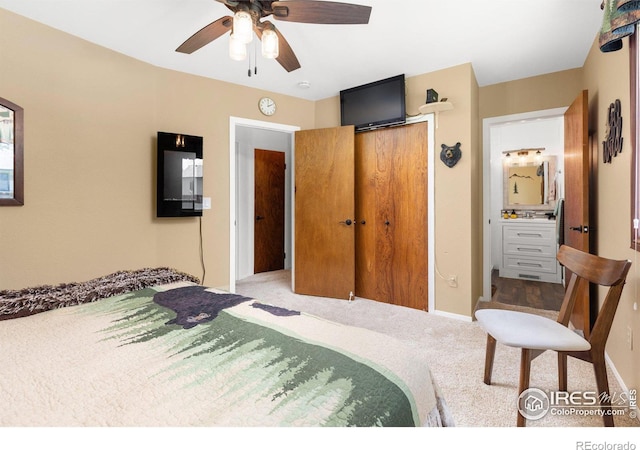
[[536, 129], [246, 135]]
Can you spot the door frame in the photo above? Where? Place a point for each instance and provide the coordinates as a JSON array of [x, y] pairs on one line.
[[291, 129], [487, 124], [234, 123]]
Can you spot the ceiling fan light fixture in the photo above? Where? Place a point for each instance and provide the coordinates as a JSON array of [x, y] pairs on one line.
[[270, 48], [237, 49], [243, 27], [247, 19]]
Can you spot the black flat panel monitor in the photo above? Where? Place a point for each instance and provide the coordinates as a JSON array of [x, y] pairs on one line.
[[179, 175], [374, 105]]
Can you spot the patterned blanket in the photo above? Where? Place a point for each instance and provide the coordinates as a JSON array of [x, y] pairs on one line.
[[184, 355], [33, 300]]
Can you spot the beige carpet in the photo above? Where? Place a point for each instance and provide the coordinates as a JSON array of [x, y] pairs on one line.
[[457, 355]]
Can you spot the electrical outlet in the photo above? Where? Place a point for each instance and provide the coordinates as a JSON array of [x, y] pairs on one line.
[[629, 337], [453, 281]]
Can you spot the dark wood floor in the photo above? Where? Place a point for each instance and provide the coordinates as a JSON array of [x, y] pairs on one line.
[[534, 294]]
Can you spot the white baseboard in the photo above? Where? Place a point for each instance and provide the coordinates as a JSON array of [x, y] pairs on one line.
[[616, 374], [452, 315]]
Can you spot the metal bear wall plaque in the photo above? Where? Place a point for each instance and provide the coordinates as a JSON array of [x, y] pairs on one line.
[[450, 155]]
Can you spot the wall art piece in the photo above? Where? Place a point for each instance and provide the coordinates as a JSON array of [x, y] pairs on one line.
[[450, 155], [612, 145]]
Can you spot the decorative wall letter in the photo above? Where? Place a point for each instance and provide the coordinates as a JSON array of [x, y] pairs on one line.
[[613, 143]]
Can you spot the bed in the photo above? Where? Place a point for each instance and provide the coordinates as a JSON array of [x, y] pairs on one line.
[[170, 352]]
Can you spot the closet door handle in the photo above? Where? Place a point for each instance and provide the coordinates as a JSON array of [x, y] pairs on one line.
[[259, 218], [363, 222], [347, 222], [387, 223]]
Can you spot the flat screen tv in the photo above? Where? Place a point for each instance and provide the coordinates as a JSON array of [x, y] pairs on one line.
[[374, 105], [179, 175]]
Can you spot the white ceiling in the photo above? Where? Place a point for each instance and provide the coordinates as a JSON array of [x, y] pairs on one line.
[[503, 39]]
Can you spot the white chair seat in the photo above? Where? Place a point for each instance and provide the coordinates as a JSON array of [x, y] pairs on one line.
[[523, 330]]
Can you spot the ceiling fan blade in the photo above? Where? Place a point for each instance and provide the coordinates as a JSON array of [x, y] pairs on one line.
[[206, 35], [310, 11], [286, 57]]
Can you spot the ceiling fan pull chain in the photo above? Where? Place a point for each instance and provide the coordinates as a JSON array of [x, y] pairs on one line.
[[255, 62]]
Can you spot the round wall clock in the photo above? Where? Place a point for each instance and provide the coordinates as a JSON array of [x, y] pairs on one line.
[[267, 106]]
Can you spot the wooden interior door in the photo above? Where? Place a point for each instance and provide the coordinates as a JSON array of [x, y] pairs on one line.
[[324, 211], [268, 242], [577, 173], [391, 200]]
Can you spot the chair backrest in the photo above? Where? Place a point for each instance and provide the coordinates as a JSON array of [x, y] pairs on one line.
[[586, 268]]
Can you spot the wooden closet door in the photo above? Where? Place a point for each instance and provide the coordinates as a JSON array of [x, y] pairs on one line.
[[391, 197], [324, 212]]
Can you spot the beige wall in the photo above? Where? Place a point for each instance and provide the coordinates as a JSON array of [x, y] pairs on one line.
[[91, 117], [328, 112], [456, 189], [554, 90], [606, 76]]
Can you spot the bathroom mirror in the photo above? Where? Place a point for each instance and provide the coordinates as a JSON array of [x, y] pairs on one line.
[[530, 184], [11, 154]]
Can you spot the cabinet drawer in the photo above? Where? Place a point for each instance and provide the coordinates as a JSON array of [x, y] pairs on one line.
[[538, 249], [544, 265], [526, 234]]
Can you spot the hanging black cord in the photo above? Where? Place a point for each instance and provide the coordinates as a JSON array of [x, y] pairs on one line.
[[204, 270]]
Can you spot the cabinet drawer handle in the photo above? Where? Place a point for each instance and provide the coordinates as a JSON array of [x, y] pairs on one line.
[[528, 264], [530, 234], [524, 249]]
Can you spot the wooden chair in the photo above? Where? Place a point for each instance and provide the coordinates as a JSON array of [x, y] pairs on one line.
[[534, 334]]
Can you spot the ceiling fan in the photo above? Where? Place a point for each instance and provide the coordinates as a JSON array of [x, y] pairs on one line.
[[303, 11]]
